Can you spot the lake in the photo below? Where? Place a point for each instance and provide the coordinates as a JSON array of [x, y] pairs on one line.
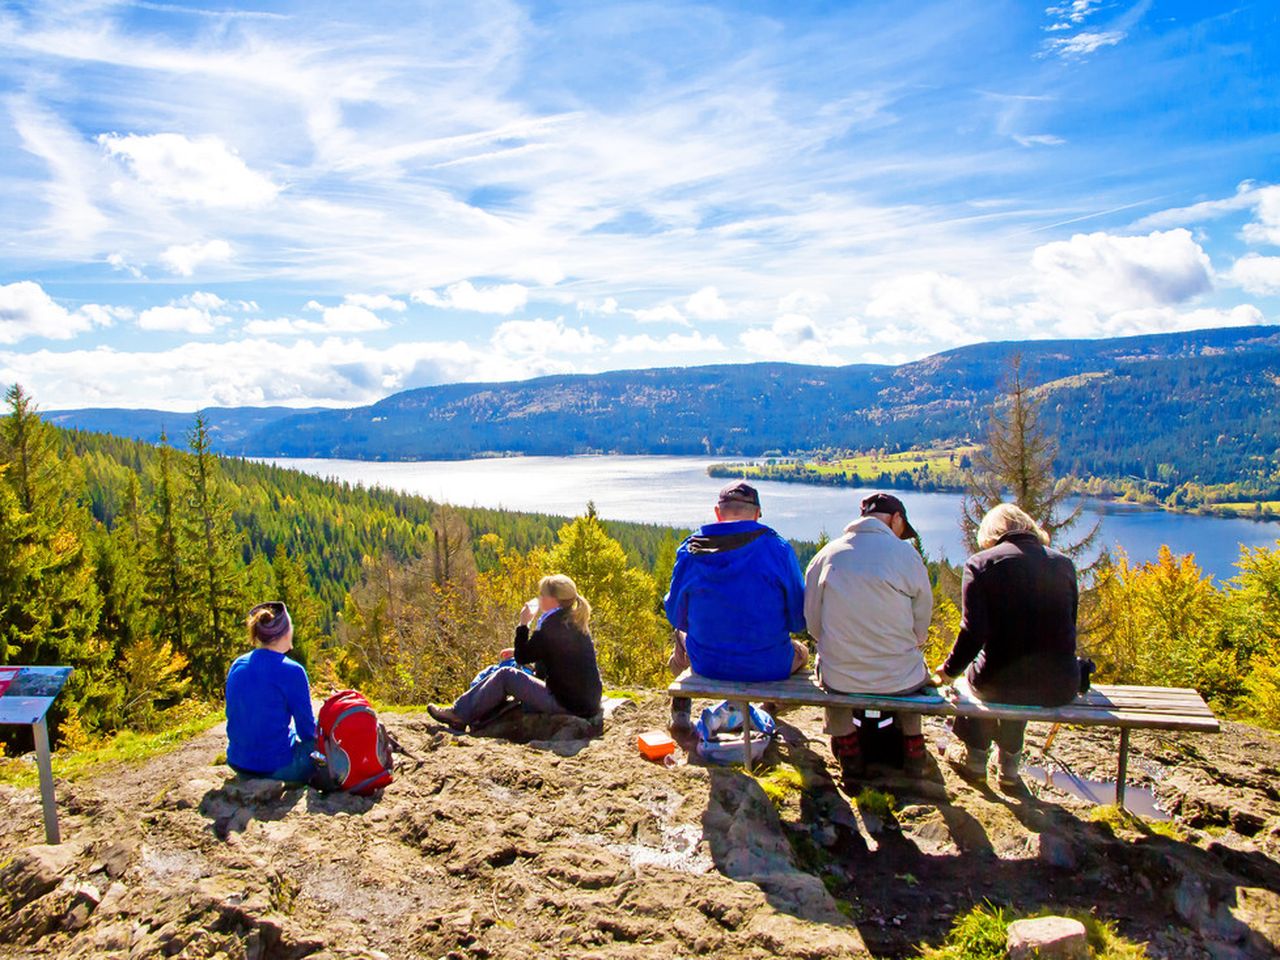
[[678, 492]]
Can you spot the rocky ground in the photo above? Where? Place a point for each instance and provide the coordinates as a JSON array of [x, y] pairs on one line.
[[579, 847]]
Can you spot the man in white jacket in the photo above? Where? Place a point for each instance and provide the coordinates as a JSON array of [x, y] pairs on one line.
[[868, 603]]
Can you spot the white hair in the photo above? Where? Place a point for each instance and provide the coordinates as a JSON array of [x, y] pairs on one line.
[[1004, 519]]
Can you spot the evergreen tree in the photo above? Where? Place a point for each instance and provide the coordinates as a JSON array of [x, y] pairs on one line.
[[293, 589], [1016, 462], [168, 584], [51, 603], [630, 634], [217, 598]]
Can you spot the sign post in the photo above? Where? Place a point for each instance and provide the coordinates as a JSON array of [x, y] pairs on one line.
[[26, 693]]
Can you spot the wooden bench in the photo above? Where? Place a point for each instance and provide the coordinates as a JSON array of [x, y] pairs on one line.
[[1129, 708]]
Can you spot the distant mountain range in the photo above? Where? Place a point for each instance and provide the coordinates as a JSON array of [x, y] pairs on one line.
[[1198, 405]]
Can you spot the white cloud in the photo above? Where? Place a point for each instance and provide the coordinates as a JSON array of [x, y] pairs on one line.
[[1245, 197], [118, 262], [1168, 320], [792, 337], [27, 311], [665, 313], [1038, 140], [1103, 273], [1085, 43], [176, 318], [503, 299], [343, 318], [1258, 275], [563, 347], [677, 343], [248, 371], [803, 301], [1266, 229], [706, 305], [376, 302], [203, 299], [1071, 13], [929, 307], [204, 171], [183, 259]]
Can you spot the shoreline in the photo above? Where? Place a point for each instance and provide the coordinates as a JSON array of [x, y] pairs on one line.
[[1212, 511]]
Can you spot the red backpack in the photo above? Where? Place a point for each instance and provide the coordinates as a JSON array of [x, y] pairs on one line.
[[355, 745]]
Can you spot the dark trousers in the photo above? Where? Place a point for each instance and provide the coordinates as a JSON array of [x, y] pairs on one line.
[[977, 734]]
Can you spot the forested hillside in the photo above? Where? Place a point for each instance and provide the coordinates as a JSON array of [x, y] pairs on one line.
[[1199, 407], [135, 564]]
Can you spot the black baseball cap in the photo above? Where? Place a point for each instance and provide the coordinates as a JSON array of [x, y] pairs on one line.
[[888, 503], [740, 492]]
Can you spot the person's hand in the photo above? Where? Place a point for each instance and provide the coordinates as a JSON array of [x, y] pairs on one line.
[[526, 615], [939, 677], [506, 653]]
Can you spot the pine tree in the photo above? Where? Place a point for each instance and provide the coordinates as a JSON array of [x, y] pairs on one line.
[[214, 544], [168, 583], [630, 635], [294, 590], [51, 602], [1016, 461]]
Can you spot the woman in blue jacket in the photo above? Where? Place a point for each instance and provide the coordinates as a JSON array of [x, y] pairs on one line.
[[271, 730]]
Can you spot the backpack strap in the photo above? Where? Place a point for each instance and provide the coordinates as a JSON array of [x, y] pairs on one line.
[[368, 781], [360, 708]]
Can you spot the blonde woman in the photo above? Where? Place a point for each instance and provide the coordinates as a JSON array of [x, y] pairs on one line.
[[567, 676], [1017, 639]]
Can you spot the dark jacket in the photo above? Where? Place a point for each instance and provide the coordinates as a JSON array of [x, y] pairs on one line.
[[738, 594], [1018, 624], [566, 660]]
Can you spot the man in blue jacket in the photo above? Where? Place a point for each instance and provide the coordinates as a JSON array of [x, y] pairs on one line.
[[736, 597]]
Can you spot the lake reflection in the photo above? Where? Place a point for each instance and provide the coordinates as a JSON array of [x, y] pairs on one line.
[[677, 491]]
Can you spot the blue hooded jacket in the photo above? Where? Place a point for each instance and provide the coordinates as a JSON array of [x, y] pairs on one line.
[[737, 593]]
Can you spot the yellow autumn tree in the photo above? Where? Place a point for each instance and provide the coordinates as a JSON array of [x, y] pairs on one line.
[[630, 636]]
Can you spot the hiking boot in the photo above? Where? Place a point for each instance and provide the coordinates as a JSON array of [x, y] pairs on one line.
[[1009, 764], [914, 756], [848, 753], [971, 764], [681, 724], [446, 716]]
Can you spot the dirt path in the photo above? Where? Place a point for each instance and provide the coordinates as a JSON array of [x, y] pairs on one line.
[[484, 848]]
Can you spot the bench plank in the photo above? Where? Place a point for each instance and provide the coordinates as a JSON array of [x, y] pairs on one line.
[[1105, 705]]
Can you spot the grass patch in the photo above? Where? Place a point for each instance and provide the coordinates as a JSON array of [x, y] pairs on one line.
[[876, 803], [981, 934], [1118, 820], [127, 746], [635, 696], [781, 782]]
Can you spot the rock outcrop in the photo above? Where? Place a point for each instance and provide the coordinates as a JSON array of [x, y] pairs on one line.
[[573, 845]]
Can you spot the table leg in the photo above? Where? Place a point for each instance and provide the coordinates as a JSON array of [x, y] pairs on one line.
[[44, 763], [1123, 771], [746, 735]]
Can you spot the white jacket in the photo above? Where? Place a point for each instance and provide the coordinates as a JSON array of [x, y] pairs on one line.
[[868, 603]]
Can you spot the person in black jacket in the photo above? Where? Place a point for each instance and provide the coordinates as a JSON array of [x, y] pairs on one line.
[[567, 677], [1017, 636]]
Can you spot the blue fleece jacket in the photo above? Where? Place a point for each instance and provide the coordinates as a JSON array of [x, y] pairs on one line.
[[737, 593], [268, 710]]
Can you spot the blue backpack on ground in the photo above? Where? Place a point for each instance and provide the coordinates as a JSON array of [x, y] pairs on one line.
[[720, 733]]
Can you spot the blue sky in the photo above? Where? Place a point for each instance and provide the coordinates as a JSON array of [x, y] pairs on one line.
[[312, 203]]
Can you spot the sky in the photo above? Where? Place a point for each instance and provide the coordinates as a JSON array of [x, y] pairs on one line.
[[319, 204]]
